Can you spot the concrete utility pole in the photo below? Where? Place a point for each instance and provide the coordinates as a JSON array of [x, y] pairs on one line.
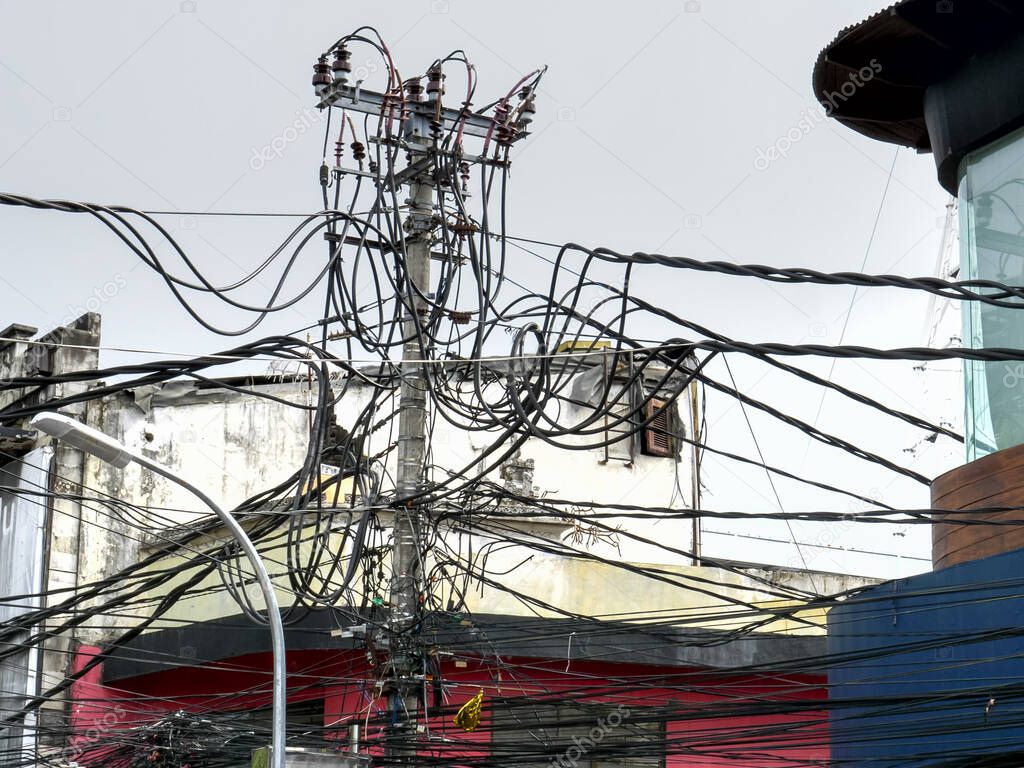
[[412, 421], [424, 120]]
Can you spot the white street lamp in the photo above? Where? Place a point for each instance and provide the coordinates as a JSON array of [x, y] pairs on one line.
[[108, 449]]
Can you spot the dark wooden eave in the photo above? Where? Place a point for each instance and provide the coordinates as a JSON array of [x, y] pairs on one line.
[[915, 43]]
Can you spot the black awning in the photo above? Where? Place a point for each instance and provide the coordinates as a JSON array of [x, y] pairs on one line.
[[907, 48]]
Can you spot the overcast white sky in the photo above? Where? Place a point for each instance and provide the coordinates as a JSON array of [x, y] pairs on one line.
[[649, 127]]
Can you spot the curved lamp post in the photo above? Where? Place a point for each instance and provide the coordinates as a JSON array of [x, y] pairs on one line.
[[107, 449]]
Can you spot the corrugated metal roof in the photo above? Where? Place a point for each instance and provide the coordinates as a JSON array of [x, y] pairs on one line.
[[905, 48]]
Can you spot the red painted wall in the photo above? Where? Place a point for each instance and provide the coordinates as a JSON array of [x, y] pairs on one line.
[[703, 737]]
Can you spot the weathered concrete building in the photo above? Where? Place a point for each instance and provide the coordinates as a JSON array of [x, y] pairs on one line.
[[235, 443]]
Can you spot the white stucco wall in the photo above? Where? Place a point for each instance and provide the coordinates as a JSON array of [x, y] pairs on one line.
[[235, 445]]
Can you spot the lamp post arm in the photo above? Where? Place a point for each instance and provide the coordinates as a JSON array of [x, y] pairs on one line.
[[111, 451]]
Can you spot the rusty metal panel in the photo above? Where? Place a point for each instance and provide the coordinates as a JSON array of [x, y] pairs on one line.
[[23, 518]]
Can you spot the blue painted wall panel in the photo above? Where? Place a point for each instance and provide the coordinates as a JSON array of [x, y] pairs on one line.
[[930, 669]]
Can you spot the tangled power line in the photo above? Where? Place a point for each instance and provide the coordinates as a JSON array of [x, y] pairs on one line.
[[492, 358]]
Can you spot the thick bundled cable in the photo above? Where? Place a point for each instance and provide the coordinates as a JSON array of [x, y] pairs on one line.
[[501, 361]]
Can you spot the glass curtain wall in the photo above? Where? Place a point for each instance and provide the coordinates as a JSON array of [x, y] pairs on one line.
[[991, 196]]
